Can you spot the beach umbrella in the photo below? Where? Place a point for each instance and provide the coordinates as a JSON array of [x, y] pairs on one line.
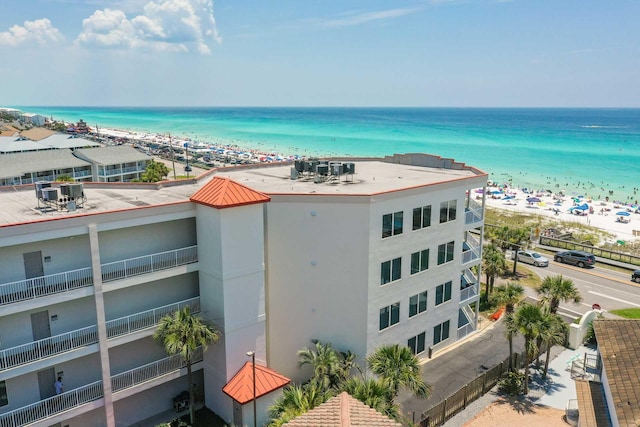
[[508, 197], [495, 192], [533, 200], [623, 213], [542, 204], [582, 207]]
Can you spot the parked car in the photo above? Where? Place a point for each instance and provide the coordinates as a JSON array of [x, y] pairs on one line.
[[533, 258], [580, 258], [635, 276]]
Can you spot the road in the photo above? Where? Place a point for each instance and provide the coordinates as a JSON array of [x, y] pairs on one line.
[[610, 289]]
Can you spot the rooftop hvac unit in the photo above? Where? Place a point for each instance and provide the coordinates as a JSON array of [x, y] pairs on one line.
[[39, 186], [64, 190], [306, 166], [323, 169], [299, 165], [50, 194], [350, 168], [295, 173], [76, 190], [336, 168]]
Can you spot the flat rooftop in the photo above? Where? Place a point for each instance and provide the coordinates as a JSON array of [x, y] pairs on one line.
[[372, 176]]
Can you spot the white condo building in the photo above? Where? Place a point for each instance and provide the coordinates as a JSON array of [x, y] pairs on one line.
[[356, 252]]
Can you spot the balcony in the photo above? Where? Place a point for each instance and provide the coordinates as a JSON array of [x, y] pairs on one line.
[[37, 287], [58, 344], [467, 321], [469, 286], [75, 398], [148, 264], [473, 213], [470, 249]]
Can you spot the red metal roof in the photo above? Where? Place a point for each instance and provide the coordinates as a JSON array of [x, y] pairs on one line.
[[240, 388], [223, 193]]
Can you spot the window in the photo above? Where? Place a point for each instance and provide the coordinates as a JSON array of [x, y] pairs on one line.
[[390, 271], [445, 252], [421, 217], [391, 224], [416, 344], [443, 293], [447, 211], [4, 400], [440, 332], [389, 315], [418, 304], [419, 261]]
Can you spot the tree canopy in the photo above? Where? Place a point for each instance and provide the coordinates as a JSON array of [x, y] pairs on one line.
[[155, 171]]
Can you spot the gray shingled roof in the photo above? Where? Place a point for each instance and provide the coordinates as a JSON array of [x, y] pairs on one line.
[[111, 155], [58, 141], [17, 164], [10, 144]]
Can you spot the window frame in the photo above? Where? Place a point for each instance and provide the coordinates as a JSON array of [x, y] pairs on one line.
[[439, 332], [443, 293], [422, 260], [415, 346], [447, 250], [448, 211], [424, 217], [392, 224], [4, 395], [394, 271], [421, 303], [390, 309]]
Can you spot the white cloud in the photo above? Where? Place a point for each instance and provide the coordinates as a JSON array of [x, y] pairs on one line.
[[40, 32], [163, 25], [364, 17]]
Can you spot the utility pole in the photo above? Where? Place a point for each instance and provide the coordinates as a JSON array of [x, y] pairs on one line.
[[173, 161]]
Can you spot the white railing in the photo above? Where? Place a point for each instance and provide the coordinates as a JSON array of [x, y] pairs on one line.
[[147, 319], [150, 371], [466, 330], [45, 285], [469, 292], [80, 174], [54, 405], [148, 263], [132, 169], [470, 254], [36, 350], [36, 287]]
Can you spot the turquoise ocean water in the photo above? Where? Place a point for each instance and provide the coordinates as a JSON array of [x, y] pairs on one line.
[[583, 151]]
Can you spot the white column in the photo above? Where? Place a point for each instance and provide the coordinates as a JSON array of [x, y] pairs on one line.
[[101, 321]]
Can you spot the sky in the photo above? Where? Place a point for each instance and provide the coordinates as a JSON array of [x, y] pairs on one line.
[[414, 53]]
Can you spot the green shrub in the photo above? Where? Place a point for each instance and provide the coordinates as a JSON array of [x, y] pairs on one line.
[[512, 383], [590, 335]]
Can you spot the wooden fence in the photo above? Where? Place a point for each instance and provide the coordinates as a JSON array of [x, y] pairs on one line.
[[456, 402]]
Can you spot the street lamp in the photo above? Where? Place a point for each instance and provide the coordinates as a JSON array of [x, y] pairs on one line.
[[187, 168], [252, 354]]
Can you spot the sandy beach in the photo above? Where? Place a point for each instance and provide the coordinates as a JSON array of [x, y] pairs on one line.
[[617, 218]]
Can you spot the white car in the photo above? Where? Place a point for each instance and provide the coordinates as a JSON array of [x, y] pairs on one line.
[[533, 258]]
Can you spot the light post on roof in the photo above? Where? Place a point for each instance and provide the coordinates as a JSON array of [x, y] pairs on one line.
[[252, 354]]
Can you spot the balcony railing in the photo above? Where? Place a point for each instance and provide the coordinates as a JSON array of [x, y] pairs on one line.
[[147, 319], [27, 353], [466, 321], [63, 402], [470, 248], [36, 350], [152, 370], [37, 287], [469, 292], [148, 263], [473, 213], [45, 285], [54, 405]]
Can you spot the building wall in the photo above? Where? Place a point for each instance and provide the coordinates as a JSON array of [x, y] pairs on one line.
[[317, 252]]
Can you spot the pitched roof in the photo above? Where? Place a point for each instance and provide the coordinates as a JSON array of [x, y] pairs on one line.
[[223, 193], [36, 134], [592, 404], [18, 164], [111, 155], [342, 411], [240, 388], [618, 346]]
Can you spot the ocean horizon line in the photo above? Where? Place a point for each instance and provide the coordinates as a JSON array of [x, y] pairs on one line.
[[333, 107]]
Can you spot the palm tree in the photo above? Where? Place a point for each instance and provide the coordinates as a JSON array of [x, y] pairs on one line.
[[555, 289], [493, 263], [372, 392], [552, 331], [296, 400], [325, 362], [182, 333], [509, 295], [526, 322], [399, 367]]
